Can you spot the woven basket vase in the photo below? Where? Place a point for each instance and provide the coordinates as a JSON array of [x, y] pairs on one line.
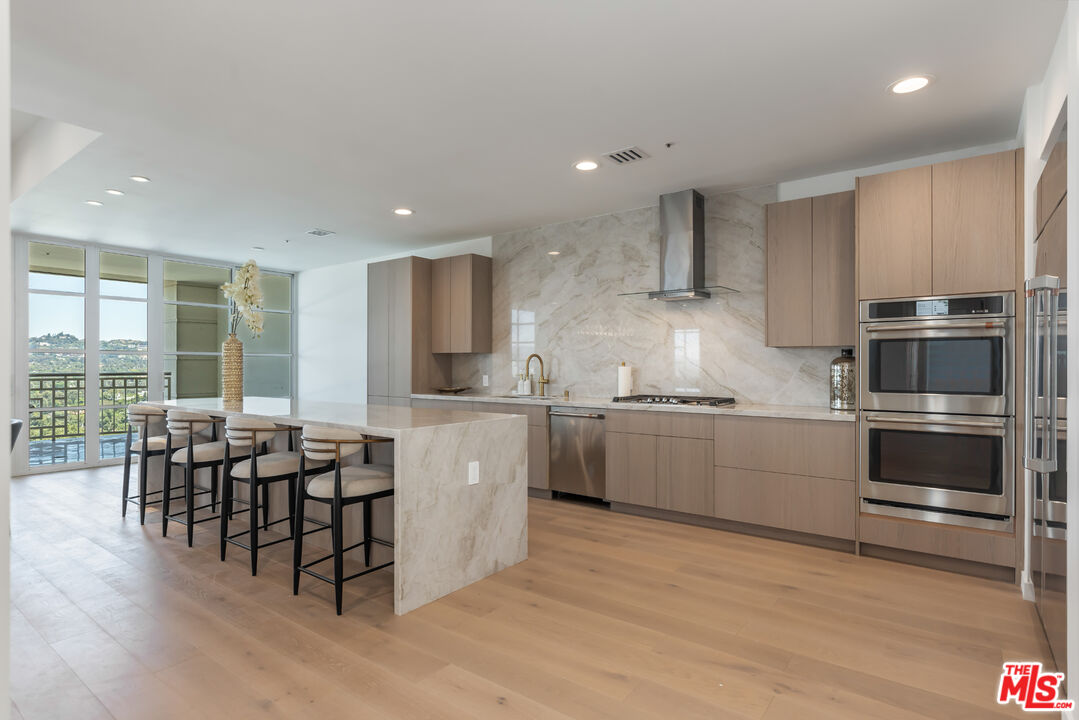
[[232, 371]]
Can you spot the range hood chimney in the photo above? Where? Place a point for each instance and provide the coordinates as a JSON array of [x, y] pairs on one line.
[[681, 247]]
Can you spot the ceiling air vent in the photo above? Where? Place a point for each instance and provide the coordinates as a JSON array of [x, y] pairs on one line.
[[319, 232], [626, 155]]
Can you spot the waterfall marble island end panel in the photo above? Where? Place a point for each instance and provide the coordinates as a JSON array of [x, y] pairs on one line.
[[447, 533]]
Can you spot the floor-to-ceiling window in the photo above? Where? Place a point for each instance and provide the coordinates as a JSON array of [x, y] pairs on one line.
[[106, 327]]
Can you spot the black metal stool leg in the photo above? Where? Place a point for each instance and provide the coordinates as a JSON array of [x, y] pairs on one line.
[[297, 536], [338, 555], [189, 502], [213, 488], [266, 509], [142, 483], [254, 519], [226, 513], [292, 508], [127, 471], [367, 533]]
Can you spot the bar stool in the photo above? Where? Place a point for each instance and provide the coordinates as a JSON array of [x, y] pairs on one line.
[[182, 427], [341, 487], [259, 472], [139, 417]]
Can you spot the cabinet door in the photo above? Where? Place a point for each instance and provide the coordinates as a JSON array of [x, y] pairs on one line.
[[1052, 184], [895, 241], [834, 318], [378, 331], [789, 301], [441, 280], [631, 469], [537, 457], [974, 224], [399, 293], [685, 475], [1051, 249]]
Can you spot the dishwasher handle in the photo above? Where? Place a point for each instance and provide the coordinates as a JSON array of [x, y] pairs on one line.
[[559, 413]]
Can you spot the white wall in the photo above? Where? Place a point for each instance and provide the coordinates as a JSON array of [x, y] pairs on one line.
[[47, 145], [840, 181], [5, 357], [331, 307]]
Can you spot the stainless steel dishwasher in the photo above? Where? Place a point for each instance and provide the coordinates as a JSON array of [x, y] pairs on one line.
[[578, 459]]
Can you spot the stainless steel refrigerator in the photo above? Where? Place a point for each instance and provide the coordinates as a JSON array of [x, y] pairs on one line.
[[1044, 454]]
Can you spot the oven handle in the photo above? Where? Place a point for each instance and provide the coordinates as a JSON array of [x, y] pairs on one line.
[[902, 327], [997, 425]]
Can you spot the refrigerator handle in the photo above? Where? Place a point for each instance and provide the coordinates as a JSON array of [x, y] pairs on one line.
[[1041, 332]]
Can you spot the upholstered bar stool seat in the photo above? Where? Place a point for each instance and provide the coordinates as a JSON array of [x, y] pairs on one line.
[[269, 465], [338, 488], [213, 451], [156, 443], [139, 417], [244, 434], [183, 428], [356, 480]]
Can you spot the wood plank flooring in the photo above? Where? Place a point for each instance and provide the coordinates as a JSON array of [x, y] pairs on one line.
[[611, 616]]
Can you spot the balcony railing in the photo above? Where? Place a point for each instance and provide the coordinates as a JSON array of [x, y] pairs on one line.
[[58, 403]]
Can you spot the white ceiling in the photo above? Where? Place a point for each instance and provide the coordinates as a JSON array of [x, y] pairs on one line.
[[260, 119]]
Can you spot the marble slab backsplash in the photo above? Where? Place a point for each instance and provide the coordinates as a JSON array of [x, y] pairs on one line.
[[567, 308]]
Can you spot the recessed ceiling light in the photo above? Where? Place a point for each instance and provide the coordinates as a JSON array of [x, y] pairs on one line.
[[257, 248], [140, 178], [402, 211], [910, 84], [554, 252], [586, 165], [95, 203], [112, 191]]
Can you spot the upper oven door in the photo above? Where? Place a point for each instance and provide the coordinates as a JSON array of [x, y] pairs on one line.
[[938, 366]]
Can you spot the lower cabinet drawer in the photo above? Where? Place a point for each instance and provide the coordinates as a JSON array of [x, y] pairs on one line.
[[820, 506], [537, 457]]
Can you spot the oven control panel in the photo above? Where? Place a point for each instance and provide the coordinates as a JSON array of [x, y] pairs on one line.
[[996, 305]]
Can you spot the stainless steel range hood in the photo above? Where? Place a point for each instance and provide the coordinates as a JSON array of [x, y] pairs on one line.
[[681, 249]]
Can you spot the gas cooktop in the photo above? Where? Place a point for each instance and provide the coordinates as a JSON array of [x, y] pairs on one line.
[[675, 400]]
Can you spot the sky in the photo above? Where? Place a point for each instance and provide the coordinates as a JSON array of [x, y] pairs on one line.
[[119, 319]]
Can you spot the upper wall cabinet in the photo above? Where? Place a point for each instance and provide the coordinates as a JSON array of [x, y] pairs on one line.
[[399, 357], [895, 234], [938, 229], [810, 272], [461, 304], [1052, 185], [974, 224]]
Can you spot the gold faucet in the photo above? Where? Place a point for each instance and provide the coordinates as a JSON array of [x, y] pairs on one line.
[[543, 379]]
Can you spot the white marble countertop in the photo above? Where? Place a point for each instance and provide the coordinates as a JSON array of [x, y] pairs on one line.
[[795, 412], [378, 420]]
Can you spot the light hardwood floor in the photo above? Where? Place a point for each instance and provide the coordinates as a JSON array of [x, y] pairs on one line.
[[611, 617]]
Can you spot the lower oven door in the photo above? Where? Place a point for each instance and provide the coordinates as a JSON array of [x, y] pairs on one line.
[[956, 464]]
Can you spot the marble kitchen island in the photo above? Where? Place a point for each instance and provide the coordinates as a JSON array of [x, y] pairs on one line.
[[447, 533]]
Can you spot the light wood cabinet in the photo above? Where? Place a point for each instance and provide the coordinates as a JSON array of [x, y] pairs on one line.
[[834, 319], [631, 468], [684, 475], [938, 229], [974, 224], [810, 271], [461, 304], [1051, 249], [895, 233], [789, 296], [1052, 185], [538, 456], [820, 506], [984, 546], [820, 448], [399, 357]]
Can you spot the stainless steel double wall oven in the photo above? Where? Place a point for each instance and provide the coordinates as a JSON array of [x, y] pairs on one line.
[[937, 426]]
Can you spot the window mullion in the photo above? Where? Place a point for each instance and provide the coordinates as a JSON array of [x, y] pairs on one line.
[[155, 327], [92, 366]]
